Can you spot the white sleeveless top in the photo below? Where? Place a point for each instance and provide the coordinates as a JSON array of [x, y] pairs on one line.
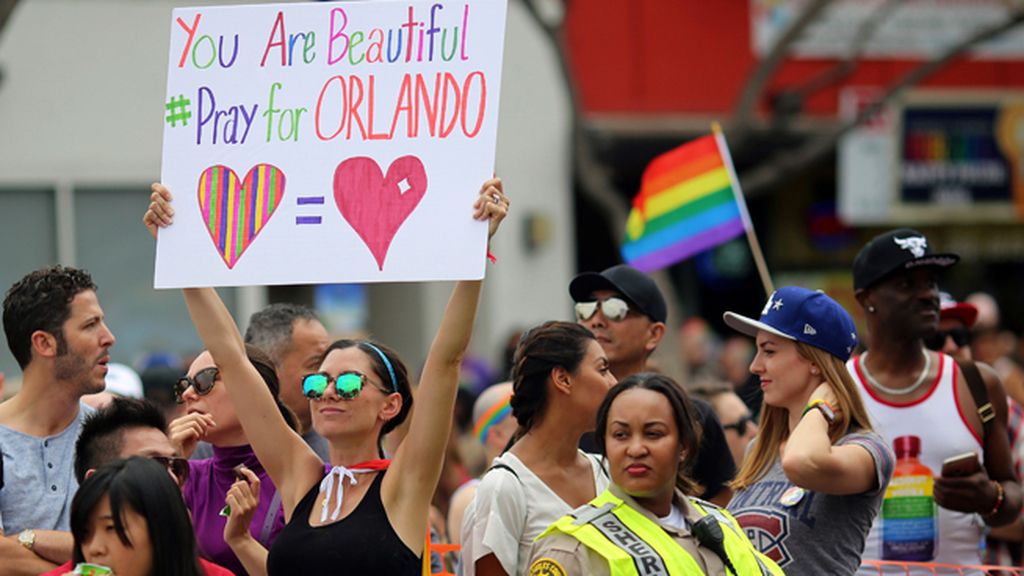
[[936, 419]]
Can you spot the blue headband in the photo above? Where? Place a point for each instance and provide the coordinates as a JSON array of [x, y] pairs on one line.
[[384, 358]]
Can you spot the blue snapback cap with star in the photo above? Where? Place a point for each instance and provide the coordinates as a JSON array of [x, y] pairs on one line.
[[807, 316]]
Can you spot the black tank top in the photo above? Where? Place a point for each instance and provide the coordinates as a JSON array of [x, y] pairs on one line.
[[361, 543]]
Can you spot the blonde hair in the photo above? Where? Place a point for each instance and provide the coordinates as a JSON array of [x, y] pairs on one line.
[[850, 414]]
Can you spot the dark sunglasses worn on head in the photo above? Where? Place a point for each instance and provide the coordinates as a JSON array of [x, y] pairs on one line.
[[961, 337], [614, 309], [740, 426], [347, 385], [176, 465], [202, 382]]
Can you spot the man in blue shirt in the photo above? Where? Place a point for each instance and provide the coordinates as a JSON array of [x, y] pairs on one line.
[[56, 332]]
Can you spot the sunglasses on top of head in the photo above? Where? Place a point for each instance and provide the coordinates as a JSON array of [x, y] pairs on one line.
[[961, 337], [347, 385], [202, 383], [614, 309]]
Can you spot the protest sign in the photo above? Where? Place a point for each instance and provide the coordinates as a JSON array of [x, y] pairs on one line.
[[329, 142]]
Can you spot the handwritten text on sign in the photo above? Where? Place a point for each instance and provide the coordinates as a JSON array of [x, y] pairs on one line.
[[388, 108]]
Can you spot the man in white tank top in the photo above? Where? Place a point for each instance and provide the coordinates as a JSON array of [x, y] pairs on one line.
[[910, 391]]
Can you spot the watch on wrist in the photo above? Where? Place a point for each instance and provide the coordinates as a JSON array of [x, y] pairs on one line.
[[27, 538], [824, 407]]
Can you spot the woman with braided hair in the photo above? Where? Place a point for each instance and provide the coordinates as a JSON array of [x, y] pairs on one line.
[[560, 377]]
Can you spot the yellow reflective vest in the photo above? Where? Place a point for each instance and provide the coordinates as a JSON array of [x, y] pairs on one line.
[[635, 545]]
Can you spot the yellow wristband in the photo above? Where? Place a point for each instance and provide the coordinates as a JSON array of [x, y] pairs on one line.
[[823, 406]]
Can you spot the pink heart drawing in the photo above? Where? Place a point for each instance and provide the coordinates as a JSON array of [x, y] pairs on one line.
[[235, 212], [376, 205]]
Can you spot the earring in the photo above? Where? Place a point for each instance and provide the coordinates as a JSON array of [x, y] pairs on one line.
[[814, 370], [871, 309]]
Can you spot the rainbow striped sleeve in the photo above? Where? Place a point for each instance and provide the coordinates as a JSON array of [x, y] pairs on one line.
[[686, 205]]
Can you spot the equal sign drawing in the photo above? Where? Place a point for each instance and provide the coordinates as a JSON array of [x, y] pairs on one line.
[[307, 201]]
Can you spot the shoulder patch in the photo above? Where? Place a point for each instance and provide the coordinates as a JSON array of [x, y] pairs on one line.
[[547, 567]]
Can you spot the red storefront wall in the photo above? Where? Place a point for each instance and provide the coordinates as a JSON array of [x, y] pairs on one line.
[[693, 56]]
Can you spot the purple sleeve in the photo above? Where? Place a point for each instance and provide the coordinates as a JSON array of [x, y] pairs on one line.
[[189, 489]]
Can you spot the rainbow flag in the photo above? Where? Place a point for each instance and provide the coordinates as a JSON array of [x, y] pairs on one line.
[[689, 201]]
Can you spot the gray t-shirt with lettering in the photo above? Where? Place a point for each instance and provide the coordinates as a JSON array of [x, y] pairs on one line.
[[806, 532], [39, 478]]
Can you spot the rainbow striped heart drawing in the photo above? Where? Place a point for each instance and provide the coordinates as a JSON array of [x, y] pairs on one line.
[[235, 212]]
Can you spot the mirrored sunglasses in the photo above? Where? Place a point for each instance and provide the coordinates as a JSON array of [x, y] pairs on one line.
[[614, 309], [202, 383], [347, 385], [961, 337], [175, 465], [740, 426]]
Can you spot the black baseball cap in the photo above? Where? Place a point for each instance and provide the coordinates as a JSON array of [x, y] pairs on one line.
[[892, 251], [637, 287]]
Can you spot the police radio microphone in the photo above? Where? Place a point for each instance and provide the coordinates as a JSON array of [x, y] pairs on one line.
[[709, 534]]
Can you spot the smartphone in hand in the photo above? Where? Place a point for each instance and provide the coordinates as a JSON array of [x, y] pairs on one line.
[[961, 465]]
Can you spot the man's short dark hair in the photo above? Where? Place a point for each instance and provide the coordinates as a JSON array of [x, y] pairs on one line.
[[41, 301], [102, 435], [270, 329]]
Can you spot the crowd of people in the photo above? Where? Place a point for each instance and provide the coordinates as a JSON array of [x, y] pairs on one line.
[[811, 449]]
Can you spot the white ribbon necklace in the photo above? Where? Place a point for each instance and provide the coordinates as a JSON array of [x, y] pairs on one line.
[[328, 485], [894, 391]]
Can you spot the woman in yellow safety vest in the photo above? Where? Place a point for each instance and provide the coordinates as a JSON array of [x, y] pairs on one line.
[[644, 523]]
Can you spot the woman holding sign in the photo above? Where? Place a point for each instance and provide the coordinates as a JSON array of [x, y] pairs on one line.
[[367, 515]]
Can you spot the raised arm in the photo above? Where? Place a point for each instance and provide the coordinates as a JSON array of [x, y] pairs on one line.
[[407, 488], [292, 465], [810, 460]]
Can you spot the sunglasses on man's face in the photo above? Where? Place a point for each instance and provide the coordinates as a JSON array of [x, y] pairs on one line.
[[961, 337], [740, 426], [202, 383], [614, 309], [347, 385], [175, 465]]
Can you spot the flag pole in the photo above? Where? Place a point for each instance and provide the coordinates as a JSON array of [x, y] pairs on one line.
[[748, 225]]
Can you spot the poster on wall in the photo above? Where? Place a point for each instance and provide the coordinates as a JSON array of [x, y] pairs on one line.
[[937, 156], [914, 29], [329, 142], [960, 158]]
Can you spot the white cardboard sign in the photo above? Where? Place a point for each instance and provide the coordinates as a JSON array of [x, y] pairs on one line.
[[329, 142]]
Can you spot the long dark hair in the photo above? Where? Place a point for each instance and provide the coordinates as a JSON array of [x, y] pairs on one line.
[[142, 485], [542, 349], [683, 413]]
